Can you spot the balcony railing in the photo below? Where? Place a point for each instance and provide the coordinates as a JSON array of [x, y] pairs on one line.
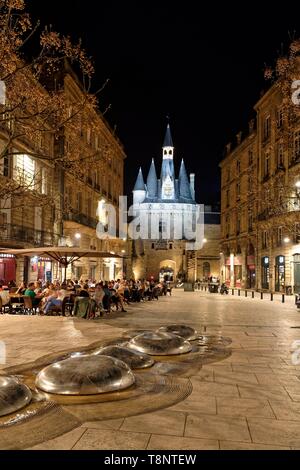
[[295, 160], [18, 233], [81, 219], [263, 215]]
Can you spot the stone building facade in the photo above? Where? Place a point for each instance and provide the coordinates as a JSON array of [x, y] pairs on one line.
[[260, 202], [169, 201], [75, 201]]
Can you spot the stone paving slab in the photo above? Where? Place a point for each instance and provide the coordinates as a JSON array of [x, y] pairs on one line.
[[251, 400]]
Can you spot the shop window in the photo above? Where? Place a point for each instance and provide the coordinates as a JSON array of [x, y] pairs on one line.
[[265, 272], [280, 274]]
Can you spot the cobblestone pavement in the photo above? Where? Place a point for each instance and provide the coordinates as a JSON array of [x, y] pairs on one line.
[[251, 400]]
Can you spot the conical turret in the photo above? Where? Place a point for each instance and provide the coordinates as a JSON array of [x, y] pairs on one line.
[[139, 190], [184, 184], [152, 182]]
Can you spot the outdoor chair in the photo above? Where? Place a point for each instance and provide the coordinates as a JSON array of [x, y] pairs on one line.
[[81, 307], [69, 304], [16, 305], [13, 290], [59, 309], [28, 308]]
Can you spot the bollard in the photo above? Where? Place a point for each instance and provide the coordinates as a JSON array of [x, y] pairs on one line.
[[253, 294], [246, 293], [283, 298], [232, 291], [271, 297], [261, 295], [239, 292], [296, 299]]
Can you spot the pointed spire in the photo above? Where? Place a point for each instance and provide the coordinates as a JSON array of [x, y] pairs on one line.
[[184, 184], [152, 181], [168, 142], [139, 184]]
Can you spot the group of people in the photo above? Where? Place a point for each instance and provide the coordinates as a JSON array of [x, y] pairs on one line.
[[104, 296]]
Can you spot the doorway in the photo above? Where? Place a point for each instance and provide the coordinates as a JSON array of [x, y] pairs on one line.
[[265, 272], [297, 274], [279, 273]]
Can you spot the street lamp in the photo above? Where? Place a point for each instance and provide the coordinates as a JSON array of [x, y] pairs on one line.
[[77, 236], [286, 240], [204, 240]]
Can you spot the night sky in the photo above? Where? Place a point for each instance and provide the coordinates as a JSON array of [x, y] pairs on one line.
[[201, 66]]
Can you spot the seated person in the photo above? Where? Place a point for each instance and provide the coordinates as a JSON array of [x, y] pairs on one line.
[[36, 298], [22, 288], [99, 296], [4, 294], [38, 287], [56, 299], [84, 292]]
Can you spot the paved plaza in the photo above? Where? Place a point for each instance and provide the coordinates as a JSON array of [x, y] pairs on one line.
[[250, 400]]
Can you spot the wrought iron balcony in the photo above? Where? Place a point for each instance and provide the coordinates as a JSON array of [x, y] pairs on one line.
[[18, 233], [263, 215], [81, 219]]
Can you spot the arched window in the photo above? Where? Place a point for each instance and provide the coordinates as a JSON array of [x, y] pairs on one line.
[[170, 152], [206, 270]]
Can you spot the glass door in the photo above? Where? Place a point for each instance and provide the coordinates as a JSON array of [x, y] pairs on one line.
[[297, 274]]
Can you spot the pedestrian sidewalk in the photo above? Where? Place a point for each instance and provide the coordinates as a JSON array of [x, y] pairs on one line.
[[251, 294]]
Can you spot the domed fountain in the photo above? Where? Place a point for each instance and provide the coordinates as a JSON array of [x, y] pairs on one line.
[[160, 344], [134, 359], [85, 375], [184, 331], [13, 395]]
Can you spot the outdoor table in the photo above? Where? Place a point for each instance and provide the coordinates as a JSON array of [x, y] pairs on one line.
[[213, 287], [16, 302]]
